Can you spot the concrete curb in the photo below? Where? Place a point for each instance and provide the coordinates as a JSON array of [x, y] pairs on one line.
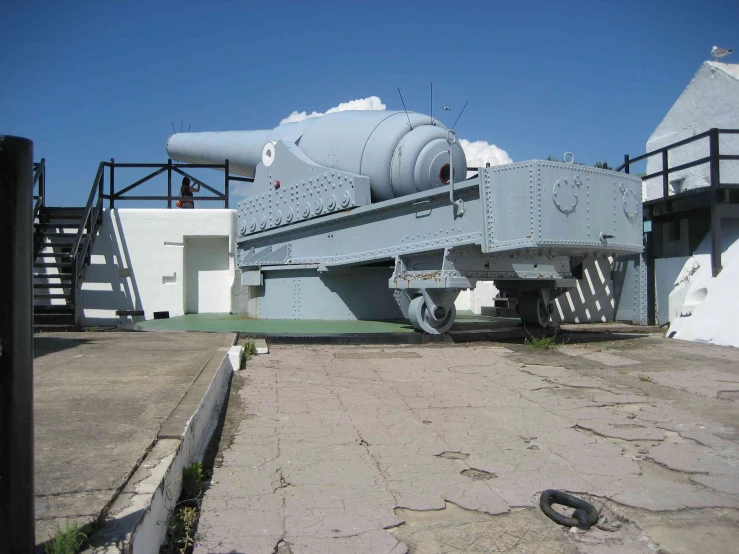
[[137, 519]]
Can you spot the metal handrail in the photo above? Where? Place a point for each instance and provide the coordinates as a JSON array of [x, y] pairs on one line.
[[39, 177], [628, 161], [97, 189], [169, 168], [713, 159], [712, 191], [90, 220]]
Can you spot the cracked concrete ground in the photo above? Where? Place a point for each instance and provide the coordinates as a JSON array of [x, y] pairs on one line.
[[447, 449]]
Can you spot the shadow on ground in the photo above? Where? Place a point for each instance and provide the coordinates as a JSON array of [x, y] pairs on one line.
[[49, 345]]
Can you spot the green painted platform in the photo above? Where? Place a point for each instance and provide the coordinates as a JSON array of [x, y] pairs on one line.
[[346, 331]]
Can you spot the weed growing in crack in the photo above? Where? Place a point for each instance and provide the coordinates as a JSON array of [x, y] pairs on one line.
[[541, 343], [67, 540], [250, 348], [181, 528]]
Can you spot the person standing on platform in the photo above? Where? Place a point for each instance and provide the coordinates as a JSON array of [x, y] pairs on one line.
[[186, 191]]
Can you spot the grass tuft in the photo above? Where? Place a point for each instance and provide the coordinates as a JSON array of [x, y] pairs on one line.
[[192, 482], [250, 348], [541, 343], [182, 526], [67, 540]]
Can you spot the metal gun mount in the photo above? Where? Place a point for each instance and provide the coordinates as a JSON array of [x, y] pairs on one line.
[[370, 215]]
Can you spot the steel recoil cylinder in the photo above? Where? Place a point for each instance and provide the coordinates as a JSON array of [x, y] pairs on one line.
[[401, 153]]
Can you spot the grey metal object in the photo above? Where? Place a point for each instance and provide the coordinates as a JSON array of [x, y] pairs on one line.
[[294, 292], [279, 199], [400, 153], [379, 189], [630, 288], [16, 345]]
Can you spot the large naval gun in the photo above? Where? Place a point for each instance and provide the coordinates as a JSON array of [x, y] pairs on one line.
[[371, 214]]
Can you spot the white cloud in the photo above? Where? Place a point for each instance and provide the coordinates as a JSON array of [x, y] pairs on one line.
[[369, 103], [479, 153]]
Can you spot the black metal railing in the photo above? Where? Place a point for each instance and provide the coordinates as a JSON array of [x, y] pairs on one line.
[[88, 226], [39, 178], [170, 168], [714, 159], [716, 202]]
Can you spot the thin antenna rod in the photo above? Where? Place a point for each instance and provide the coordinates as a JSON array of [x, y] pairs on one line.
[[406, 111], [432, 102], [182, 124], [188, 127], [460, 114], [173, 129]]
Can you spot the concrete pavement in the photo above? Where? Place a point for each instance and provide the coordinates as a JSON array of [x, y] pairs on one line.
[[447, 448], [101, 401]]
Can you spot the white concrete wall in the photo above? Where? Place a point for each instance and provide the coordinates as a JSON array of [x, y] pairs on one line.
[[666, 272], [474, 300], [704, 308], [711, 99], [138, 263]]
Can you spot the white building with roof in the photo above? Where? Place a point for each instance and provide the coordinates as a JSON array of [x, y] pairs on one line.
[[711, 99], [698, 305]]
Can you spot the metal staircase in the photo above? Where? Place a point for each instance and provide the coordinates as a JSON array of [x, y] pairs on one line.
[[63, 240], [53, 272]]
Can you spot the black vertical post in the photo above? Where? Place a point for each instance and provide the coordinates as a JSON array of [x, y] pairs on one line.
[[715, 210], [112, 183], [42, 184], [665, 176], [101, 184], [169, 183], [16, 345], [651, 285], [626, 164], [226, 187]]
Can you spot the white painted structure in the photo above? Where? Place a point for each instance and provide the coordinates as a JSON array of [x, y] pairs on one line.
[[711, 99], [698, 306], [153, 260], [704, 308], [474, 300]]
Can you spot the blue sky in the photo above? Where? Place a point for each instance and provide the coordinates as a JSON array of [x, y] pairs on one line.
[[87, 81]]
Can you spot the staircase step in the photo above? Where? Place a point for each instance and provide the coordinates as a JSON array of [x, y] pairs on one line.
[[53, 319], [51, 296], [63, 237], [64, 285], [54, 254], [65, 263], [61, 211], [55, 309], [62, 276], [46, 225], [54, 328]]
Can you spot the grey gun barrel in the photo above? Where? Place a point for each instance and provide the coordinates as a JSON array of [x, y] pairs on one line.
[[401, 152]]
